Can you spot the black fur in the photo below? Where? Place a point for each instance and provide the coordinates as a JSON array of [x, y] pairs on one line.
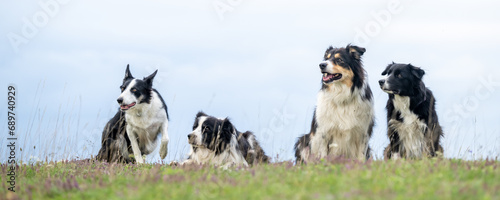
[[216, 136], [255, 155], [350, 58], [115, 144], [406, 80], [143, 87], [114, 137], [302, 142]]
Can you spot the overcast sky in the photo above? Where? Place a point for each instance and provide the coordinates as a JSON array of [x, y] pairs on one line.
[[253, 61]]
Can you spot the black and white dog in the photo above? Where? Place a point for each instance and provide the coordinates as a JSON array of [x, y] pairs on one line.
[[344, 117], [216, 141], [136, 127], [413, 127], [115, 144]]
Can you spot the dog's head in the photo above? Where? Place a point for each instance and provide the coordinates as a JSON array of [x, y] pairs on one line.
[[211, 133], [402, 79], [135, 91], [342, 66]]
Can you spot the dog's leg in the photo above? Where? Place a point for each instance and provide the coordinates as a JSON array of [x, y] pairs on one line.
[[164, 140], [123, 148], [135, 146], [189, 161], [319, 147], [394, 144]]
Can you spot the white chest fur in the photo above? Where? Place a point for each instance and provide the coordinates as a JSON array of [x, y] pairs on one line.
[[343, 120], [146, 121], [411, 130]]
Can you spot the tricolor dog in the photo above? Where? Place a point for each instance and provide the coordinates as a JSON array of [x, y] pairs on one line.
[[344, 117]]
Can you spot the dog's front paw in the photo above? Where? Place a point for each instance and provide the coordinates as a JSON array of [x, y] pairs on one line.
[[163, 149], [139, 160], [174, 163]]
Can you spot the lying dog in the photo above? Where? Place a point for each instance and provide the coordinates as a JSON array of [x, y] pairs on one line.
[[216, 141], [413, 127], [343, 120], [135, 128]]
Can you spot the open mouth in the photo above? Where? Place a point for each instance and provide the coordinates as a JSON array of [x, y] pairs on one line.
[[126, 107], [327, 78]]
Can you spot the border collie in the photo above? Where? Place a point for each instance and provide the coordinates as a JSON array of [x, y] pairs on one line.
[[115, 144], [216, 141], [413, 126], [143, 114], [344, 117]]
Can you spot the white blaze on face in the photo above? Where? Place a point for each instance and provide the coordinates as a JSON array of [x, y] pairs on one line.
[[386, 84], [198, 132], [329, 66], [127, 96]]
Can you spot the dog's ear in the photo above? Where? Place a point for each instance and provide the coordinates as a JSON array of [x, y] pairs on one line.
[[327, 53], [128, 75], [200, 114], [387, 69], [416, 71], [149, 79], [224, 137], [227, 127], [356, 52]]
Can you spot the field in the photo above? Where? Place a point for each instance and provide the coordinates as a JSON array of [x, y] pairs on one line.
[[328, 179]]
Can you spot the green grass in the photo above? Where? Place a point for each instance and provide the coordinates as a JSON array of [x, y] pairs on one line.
[[332, 179]]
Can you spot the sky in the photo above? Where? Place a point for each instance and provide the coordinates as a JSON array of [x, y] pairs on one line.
[[255, 62]]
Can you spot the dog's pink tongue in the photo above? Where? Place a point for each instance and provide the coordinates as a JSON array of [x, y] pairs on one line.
[[328, 77], [125, 107]]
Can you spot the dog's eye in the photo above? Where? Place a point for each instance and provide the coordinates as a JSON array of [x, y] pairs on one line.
[[399, 76], [133, 90], [340, 60], [206, 128], [122, 88]]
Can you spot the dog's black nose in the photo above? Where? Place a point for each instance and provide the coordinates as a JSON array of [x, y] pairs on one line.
[[190, 136], [322, 66], [120, 100], [381, 82]]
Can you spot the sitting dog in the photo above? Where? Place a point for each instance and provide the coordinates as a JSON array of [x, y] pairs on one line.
[[143, 116], [343, 120], [216, 141], [413, 127]]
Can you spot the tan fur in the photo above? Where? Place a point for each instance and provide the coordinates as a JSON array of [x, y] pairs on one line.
[[355, 53]]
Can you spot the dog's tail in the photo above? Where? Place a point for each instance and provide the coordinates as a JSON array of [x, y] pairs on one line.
[[301, 148], [256, 154]]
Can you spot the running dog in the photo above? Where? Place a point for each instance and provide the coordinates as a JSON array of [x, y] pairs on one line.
[[135, 128]]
